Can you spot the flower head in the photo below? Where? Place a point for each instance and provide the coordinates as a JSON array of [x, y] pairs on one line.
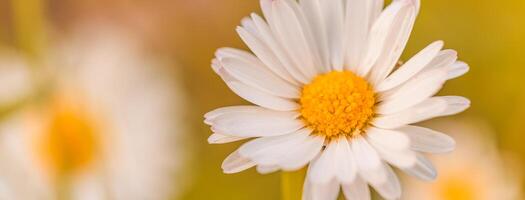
[[337, 103], [103, 127], [328, 93]]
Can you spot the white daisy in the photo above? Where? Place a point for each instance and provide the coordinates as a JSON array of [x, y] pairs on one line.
[[105, 129], [475, 171], [327, 95]]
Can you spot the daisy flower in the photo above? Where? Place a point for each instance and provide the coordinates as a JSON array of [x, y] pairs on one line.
[[327, 94], [474, 171], [104, 129]]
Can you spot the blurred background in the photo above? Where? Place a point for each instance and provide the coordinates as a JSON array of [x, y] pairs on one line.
[[63, 60]]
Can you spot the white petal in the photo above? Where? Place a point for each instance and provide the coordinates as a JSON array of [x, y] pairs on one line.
[[268, 151], [399, 158], [236, 163], [413, 83], [292, 36], [263, 169], [210, 116], [312, 12], [368, 161], [357, 190], [248, 24], [413, 92], [249, 70], [423, 169], [427, 140], [377, 8], [430, 108], [288, 152], [217, 138], [444, 59], [257, 124], [333, 15], [272, 40], [456, 104], [251, 94], [391, 189], [309, 34], [457, 69], [300, 155], [266, 7], [395, 45], [389, 138], [326, 191], [261, 48], [279, 53], [395, 152], [256, 146], [417, 3], [323, 169], [411, 67], [360, 15], [346, 163], [387, 39], [261, 98]]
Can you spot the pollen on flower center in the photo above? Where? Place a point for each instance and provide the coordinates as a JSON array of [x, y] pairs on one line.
[[337, 103]]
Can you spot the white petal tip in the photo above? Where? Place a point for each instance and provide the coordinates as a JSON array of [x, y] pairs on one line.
[[451, 146], [213, 139], [430, 178], [239, 29], [414, 3], [458, 69], [456, 104], [235, 164], [245, 19], [230, 172], [439, 43]]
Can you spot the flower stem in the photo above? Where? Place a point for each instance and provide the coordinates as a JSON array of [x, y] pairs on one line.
[[63, 190], [292, 184]]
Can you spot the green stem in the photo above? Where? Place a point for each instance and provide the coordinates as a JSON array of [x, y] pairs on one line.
[[292, 184], [63, 187]]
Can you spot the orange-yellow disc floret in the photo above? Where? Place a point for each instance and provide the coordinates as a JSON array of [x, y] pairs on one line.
[[337, 103]]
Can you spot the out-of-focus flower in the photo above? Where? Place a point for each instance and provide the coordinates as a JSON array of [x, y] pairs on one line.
[[15, 78], [475, 171], [107, 127], [327, 94]]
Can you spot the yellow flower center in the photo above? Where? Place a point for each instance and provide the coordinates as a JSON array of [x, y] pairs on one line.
[[69, 141], [457, 189], [337, 103]]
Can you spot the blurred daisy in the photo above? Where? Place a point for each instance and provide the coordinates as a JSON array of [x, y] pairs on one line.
[[105, 129], [328, 94], [475, 171], [15, 78]]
